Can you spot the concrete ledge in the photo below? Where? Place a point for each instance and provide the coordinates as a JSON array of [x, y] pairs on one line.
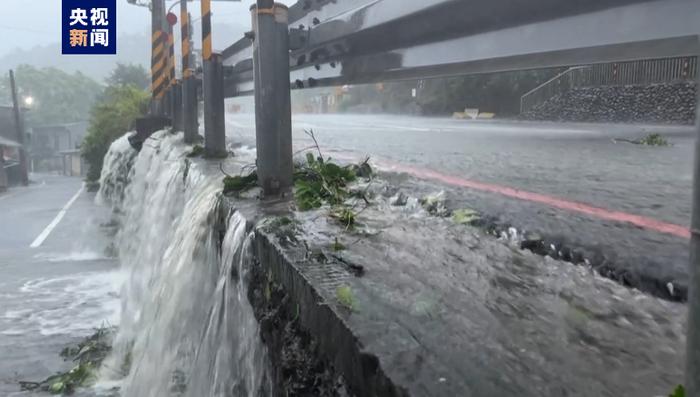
[[321, 317]]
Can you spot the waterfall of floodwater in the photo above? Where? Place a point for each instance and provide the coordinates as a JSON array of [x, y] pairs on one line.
[[187, 328], [115, 172]]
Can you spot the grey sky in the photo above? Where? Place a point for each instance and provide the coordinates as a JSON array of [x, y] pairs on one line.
[[26, 23]]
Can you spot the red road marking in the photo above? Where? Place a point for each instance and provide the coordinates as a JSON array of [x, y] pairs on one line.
[[600, 213], [637, 220]]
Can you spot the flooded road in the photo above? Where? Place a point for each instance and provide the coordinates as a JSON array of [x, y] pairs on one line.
[[565, 165], [58, 291], [445, 308]]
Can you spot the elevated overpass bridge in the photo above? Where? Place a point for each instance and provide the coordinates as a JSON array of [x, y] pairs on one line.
[[365, 41]]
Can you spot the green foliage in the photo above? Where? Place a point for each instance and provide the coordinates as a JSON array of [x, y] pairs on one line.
[[238, 184], [654, 140], [80, 376], [346, 297], [281, 221], [197, 151], [88, 355], [59, 97], [465, 216], [345, 216], [337, 246], [678, 392], [129, 74], [111, 118], [321, 181]]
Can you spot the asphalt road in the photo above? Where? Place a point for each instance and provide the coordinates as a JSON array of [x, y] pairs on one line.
[[55, 286], [626, 207]]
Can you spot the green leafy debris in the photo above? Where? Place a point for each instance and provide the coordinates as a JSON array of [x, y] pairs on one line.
[[88, 355], [320, 181], [337, 246], [286, 229], [465, 216], [345, 216], [197, 151], [678, 392], [237, 184], [346, 297], [654, 140]]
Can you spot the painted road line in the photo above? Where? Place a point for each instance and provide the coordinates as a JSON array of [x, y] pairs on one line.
[[44, 234]]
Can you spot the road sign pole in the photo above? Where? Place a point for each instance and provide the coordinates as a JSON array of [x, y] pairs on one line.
[[273, 115], [19, 126], [692, 374]]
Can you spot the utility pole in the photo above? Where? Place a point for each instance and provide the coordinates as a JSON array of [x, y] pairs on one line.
[[273, 114], [19, 126]]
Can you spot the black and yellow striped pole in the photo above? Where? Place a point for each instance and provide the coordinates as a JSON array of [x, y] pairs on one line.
[[168, 97], [158, 58], [206, 30], [214, 126], [185, 36], [171, 56], [190, 103], [175, 87]]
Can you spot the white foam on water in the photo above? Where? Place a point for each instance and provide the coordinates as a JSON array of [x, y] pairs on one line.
[[70, 305], [75, 256]]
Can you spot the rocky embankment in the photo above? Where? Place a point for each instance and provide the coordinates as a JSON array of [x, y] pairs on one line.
[[657, 103]]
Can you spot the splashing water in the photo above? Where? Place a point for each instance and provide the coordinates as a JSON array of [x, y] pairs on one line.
[[186, 328], [115, 171]]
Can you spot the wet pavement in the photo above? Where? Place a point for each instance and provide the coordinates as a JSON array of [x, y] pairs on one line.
[[450, 311], [573, 162], [58, 291]]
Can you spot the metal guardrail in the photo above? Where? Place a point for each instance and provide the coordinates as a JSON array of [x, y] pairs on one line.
[[649, 71], [336, 42]]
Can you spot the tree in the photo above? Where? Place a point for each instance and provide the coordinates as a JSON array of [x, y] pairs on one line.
[[111, 118], [59, 97], [129, 74]]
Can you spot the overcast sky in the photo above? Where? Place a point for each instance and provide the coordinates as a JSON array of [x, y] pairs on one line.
[[27, 23]]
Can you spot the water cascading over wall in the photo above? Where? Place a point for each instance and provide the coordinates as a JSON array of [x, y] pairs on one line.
[[187, 327]]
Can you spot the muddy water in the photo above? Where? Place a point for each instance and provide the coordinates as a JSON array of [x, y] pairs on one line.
[[472, 315]]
